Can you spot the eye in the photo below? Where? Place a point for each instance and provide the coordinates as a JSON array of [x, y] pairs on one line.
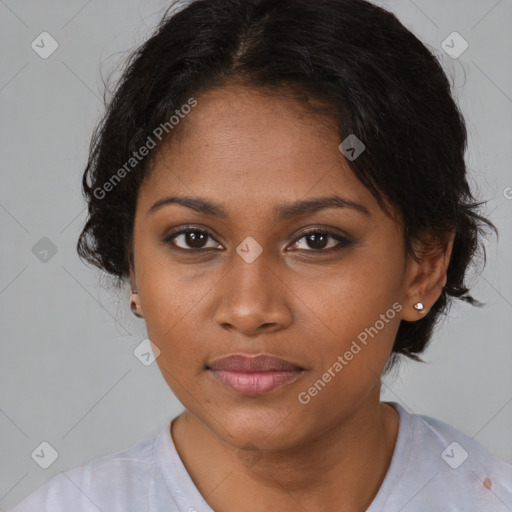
[[316, 240], [191, 239], [321, 241]]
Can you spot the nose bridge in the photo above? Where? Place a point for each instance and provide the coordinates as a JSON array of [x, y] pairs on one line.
[[251, 294]]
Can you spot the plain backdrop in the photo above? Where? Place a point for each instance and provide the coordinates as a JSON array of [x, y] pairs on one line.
[[69, 376]]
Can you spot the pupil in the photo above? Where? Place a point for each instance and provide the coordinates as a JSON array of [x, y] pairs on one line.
[[195, 239], [313, 236]]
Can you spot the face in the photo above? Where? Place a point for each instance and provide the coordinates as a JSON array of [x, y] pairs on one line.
[[319, 286]]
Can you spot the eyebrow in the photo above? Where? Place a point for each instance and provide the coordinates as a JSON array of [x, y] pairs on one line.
[[283, 212]]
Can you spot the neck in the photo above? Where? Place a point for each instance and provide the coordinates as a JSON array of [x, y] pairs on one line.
[[341, 469]]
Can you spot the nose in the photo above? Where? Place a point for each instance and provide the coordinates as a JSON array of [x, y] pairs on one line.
[[252, 298]]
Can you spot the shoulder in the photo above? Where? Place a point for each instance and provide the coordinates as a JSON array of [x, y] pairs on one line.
[[443, 467], [458, 450], [113, 482]]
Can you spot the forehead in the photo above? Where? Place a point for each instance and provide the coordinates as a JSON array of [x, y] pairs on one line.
[[249, 147]]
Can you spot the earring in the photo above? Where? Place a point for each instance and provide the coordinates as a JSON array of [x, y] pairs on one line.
[[133, 307], [419, 307]]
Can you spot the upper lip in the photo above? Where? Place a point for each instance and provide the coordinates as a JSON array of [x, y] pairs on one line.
[[252, 363]]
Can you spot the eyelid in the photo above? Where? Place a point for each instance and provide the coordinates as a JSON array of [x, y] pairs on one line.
[[322, 229]]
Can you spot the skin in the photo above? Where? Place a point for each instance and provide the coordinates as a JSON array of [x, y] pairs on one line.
[[251, 152]]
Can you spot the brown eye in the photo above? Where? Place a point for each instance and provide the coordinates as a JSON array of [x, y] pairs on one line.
[[322, 241], [190, 239]]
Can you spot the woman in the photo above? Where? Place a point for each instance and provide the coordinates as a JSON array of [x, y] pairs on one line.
[[276, 182]]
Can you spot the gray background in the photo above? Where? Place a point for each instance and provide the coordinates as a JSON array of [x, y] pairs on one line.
[[68, 372]]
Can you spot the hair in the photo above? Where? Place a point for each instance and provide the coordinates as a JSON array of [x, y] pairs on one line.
[[372, 74]]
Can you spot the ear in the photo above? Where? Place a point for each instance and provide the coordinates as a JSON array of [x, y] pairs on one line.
[[426, 277], [133, 281], [135, 304], [131, 269]]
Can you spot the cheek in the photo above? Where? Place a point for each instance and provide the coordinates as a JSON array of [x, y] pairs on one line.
[[169, 308], [346, 299], [164, 299], [355, 312], [358, 318]]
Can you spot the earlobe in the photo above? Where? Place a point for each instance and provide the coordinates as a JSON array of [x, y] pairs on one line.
[[427, 276], [135, 305]]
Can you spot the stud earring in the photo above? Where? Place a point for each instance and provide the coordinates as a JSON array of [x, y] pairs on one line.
[[419, 307]]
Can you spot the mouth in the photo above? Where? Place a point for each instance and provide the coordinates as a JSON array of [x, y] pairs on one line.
[[253, 375]]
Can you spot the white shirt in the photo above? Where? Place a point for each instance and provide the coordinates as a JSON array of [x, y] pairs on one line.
[[434, 468]]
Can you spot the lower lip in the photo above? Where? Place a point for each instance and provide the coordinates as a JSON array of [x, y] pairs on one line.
[[254, 383]]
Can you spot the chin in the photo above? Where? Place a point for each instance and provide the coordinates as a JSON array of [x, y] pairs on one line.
[[262, 429]]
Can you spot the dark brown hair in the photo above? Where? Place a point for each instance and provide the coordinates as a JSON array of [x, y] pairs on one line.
[[378, 80]]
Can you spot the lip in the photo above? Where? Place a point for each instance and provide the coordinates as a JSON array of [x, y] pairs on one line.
[[253, 375], [252, 363]]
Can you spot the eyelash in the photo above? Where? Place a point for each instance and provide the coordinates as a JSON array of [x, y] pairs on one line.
[[343, 242]]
